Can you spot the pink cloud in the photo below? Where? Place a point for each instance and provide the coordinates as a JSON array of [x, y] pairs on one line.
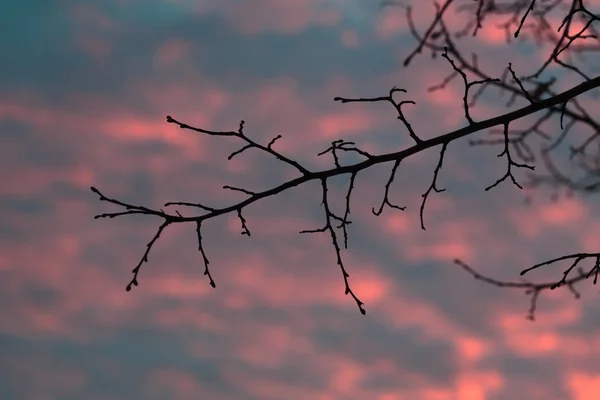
[[583, 385], [471, 349], [449, 250], [170, 52], [533, 221], [540, 340], [398, 224], [346, 377], [350, 39], [347, 123], [570, 210], [478, 386], [491, 33], [391, 22]]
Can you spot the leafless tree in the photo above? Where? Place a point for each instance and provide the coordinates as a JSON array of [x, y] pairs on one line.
[[521, 17]]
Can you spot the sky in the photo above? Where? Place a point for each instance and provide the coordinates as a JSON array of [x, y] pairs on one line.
[[85, 90]]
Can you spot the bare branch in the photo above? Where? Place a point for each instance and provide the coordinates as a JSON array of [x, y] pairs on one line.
[[433, 182], [523, 18], [389, 98]]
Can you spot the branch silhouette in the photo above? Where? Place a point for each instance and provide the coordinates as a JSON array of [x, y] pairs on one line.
[[439, 40]]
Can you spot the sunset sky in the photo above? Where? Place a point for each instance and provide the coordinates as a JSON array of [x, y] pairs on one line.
[[84, 91]]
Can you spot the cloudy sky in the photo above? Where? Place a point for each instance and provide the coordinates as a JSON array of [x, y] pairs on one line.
[[85, 90]]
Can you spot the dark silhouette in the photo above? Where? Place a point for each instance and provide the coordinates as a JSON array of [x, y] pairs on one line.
[[521, 16]]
